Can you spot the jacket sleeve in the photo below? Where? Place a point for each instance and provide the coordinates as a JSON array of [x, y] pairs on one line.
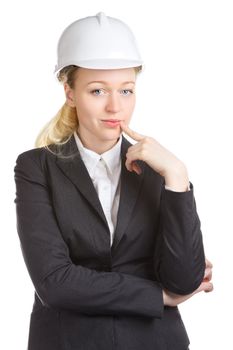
[[58, 282], [181, 262]]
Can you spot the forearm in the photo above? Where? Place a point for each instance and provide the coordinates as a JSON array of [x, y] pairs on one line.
[[108, 293], [181, 258]]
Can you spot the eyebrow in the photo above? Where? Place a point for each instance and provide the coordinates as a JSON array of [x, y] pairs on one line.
[[105, 82]]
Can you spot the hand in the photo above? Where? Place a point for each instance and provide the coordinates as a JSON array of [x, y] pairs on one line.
[[158, 158], [171, 299]]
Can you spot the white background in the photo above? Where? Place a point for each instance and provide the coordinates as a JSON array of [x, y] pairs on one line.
[[184, 100]]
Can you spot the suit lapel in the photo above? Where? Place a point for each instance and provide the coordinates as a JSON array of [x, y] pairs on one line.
[[73, 167], [130, 187]]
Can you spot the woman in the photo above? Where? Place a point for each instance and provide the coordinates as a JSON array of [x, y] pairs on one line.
[[109, 230]]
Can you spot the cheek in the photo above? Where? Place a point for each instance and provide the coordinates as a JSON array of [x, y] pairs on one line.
[[88, 107], [129, 107], [84, 110]]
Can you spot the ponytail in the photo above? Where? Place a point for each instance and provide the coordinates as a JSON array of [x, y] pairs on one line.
[[60, 128]]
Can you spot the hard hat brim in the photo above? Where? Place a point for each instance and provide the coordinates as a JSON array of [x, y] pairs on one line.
[[102, 64]]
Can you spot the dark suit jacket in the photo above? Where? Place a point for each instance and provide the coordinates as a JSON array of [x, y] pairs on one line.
[[88, 295]]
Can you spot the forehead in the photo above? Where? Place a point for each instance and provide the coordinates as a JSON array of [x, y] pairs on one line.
[[113, 76]]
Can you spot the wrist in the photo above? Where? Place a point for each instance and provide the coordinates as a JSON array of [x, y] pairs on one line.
[[177, 178]]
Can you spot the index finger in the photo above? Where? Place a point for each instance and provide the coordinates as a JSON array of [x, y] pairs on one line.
[[133, 134]]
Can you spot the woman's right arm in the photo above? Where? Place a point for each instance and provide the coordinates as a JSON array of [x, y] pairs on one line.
[[58, 282]]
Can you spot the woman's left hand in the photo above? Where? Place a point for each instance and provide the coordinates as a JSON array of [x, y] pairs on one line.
[[158, 158]]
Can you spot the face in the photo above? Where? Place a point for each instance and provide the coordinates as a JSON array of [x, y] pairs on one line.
[[102, 99]]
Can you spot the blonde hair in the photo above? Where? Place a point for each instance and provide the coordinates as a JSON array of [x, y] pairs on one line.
[[61, 127]]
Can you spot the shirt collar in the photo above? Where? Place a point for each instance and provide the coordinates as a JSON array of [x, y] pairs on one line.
[[111, 157]]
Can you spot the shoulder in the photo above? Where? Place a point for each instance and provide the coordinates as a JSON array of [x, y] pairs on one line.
[[45, 158], [31, 165], [32, 153], [42, 155], [36, 155]]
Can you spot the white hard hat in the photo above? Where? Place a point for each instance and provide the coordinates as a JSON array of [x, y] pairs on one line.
[[98, 42]]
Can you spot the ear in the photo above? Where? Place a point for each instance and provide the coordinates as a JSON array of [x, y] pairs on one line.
[[69, 95]]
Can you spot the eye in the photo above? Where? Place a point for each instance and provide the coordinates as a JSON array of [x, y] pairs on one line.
[[97, 92], [127, 92]]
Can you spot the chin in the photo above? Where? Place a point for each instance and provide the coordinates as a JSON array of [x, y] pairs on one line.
[[111, 136]]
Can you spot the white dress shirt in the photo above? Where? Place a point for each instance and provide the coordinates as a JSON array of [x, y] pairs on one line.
[[104, 170]]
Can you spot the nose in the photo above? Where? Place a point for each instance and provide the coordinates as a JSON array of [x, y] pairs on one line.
[[113, 103]]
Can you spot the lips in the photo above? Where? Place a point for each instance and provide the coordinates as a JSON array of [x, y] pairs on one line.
[[111, 122]]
